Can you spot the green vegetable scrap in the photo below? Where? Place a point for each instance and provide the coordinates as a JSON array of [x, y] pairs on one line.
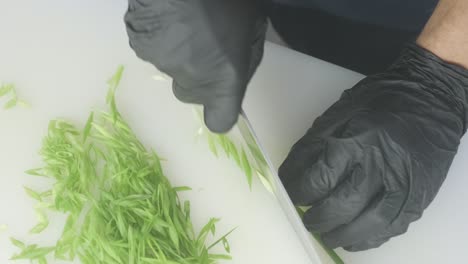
[[3, 228], [10, 90], [121, 207], [246, 155], [238, 154]]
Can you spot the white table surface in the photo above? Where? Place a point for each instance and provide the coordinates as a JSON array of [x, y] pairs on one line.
[[68, 43]]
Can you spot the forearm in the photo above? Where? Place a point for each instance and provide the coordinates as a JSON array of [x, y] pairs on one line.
[[446, 32]]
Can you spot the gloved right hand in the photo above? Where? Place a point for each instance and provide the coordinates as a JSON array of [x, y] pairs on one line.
[[211, 49], [375, 160]]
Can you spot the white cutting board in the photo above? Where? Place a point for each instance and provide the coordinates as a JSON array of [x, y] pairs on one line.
[[289, 91], [60, 53]]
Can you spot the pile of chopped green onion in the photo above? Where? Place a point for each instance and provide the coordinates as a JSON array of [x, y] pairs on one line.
[[121, 207]]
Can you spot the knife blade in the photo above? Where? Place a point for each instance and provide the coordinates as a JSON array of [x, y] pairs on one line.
[[269, 177]]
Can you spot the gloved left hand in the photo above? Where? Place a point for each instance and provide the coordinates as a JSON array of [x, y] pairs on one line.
[[211, 49], [372, 163]]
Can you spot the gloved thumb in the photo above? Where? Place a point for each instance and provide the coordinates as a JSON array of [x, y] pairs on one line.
[[221, 113], [221, 102]]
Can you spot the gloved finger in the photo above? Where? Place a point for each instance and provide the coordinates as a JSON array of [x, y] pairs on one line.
[[349, 199], [156, 36], [188, 96], [306, 151], [314, 167], [221, 113], [143, 16], [222, 100], [377, 217], [371, 243], [137, 3]]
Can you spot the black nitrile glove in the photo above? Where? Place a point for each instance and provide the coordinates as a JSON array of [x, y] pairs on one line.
[[211, 48], [373, 162]]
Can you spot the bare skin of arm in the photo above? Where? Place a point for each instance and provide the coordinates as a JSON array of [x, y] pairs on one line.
[[446, 33]]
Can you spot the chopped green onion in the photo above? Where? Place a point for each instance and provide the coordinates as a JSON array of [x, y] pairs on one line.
[[120, 206], [3, 228], [10, 89]]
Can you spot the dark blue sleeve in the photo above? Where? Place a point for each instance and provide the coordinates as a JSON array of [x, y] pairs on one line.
[[397, 14]]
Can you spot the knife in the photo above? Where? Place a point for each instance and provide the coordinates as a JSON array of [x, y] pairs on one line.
[[269, 177]]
